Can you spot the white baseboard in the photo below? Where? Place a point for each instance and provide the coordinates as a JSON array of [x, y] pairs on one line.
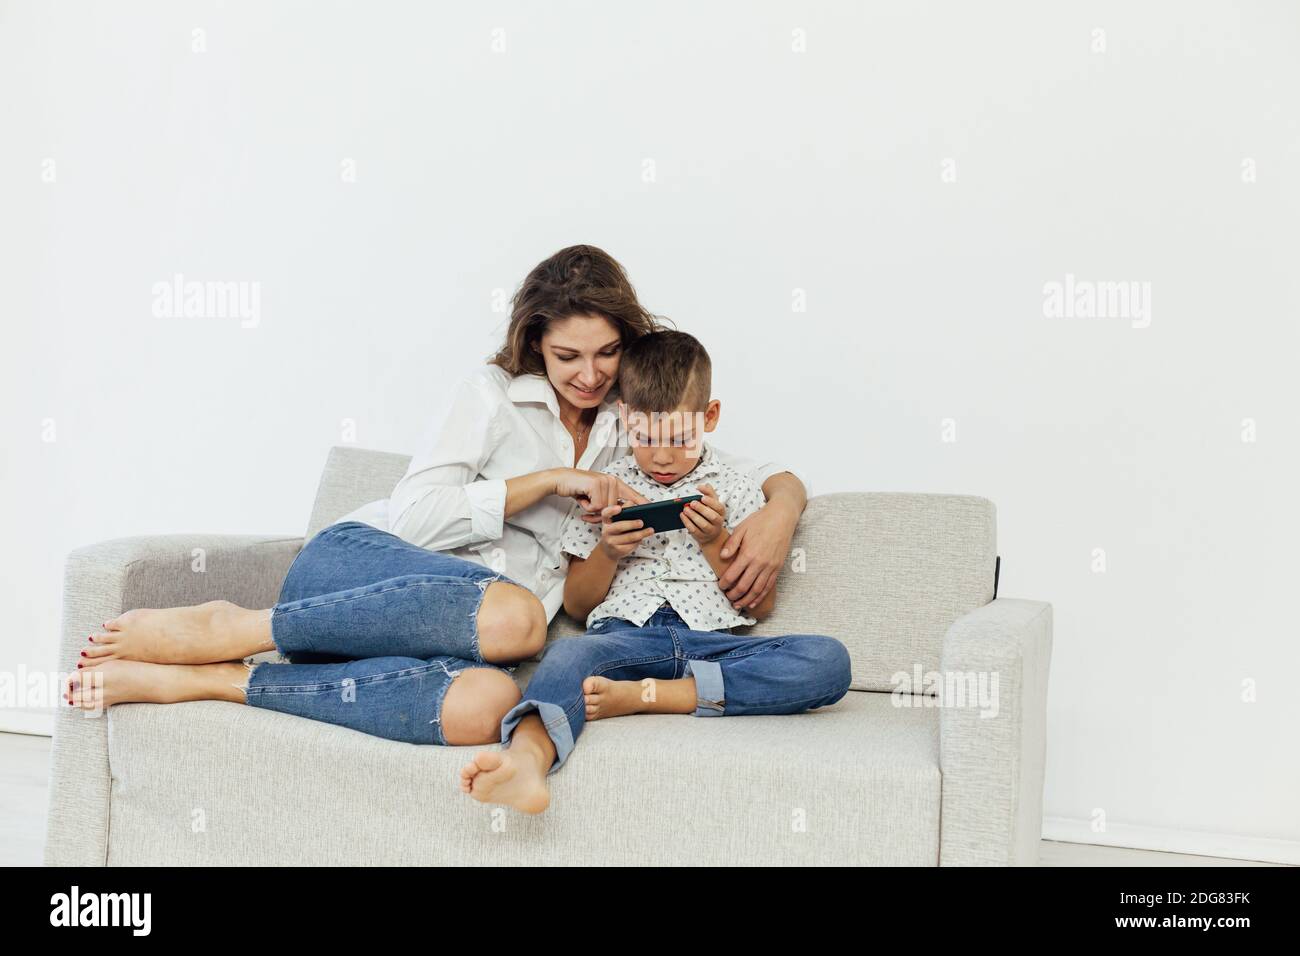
[[1194, 842], [26, 720]]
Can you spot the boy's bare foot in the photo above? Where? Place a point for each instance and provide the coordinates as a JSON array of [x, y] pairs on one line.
[[203, 634], [107, 682], [513, 777], [618, 698], [612, 698]]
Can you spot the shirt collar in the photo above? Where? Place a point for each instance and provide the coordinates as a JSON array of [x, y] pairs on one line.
[[533, 388], [704, 469], [706, 462], [537, 388]]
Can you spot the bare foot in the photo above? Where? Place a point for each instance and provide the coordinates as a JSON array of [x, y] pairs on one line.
[[203, 634], [612, 698], [107, 682], [512, 777]]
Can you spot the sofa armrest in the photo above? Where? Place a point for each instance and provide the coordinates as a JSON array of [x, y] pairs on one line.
[[100, 582], [992, 798]]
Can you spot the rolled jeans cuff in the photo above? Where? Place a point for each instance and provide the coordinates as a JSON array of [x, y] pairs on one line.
[[553, 719], [709, 696]]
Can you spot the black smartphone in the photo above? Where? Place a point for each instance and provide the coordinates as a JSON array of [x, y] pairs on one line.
[[659, 515]]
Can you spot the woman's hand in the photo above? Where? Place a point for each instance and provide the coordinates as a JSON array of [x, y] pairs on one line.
[[760, 543], [618, 539], [594, 491], [704, 518]]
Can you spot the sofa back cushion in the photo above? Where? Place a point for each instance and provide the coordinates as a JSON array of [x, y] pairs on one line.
[[353, 477], [885, 573]]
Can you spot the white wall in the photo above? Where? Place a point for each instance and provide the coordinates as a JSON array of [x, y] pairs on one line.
[[774, 171]]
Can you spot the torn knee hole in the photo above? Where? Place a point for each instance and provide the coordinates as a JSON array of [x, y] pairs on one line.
[[484, 582]]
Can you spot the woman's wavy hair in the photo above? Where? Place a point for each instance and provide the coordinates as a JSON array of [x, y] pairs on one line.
[[579, 280]]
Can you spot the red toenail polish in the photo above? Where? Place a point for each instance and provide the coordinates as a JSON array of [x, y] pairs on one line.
[[78, 666], [83, 653], [91, 638]]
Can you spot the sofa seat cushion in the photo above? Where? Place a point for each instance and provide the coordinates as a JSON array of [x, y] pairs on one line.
[[212, 781]]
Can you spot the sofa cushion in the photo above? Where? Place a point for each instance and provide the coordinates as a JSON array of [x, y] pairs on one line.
[[887, 574], [353, 477], [213, 782]]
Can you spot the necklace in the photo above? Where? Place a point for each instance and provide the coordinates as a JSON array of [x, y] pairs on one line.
[[581, 431]]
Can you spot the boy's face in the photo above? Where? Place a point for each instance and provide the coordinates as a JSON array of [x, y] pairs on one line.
[[667, 445]]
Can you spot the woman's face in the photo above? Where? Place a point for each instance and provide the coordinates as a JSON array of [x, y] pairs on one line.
[[581, 355]]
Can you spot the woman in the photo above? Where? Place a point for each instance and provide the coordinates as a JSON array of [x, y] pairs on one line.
[[402, 618]]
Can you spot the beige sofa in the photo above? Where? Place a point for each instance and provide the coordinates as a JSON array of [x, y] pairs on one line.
[[906, 581]]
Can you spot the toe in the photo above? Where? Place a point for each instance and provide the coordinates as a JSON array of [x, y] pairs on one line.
[[123, 620], [487, 759]]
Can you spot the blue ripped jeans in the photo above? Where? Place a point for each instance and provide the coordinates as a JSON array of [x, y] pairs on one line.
[[734, 674], [375, 629]]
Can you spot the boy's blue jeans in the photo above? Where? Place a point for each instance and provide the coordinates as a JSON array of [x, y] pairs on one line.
[[375, 629], [734, 674]]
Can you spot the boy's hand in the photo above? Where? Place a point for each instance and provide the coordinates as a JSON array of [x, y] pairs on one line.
[[618, 539], [703, 518]]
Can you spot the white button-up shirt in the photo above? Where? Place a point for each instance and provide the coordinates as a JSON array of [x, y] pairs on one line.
[[453, 496], [670, 566]]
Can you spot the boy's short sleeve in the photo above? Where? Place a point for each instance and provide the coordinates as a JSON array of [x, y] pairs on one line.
[[579, 537], [746, 499], [758, 471]]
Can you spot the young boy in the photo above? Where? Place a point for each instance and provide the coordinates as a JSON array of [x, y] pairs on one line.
[[658, 625]]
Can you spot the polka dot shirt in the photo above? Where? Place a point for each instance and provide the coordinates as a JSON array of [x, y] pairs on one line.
[[669, 566]]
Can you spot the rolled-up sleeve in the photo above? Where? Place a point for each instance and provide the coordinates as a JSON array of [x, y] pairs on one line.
[[487, 508], [757, 470], [443, 502]]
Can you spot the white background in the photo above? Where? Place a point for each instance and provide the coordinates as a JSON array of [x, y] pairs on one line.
[[774, 171]]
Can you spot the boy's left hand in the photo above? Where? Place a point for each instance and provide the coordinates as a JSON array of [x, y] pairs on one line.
[[703, 518]]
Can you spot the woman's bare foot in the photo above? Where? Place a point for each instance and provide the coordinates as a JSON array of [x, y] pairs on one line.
[[513, 777], [203, 634], [105, 683], [618, 698]]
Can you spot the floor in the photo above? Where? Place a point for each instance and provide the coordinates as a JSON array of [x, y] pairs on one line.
[[24, 770]]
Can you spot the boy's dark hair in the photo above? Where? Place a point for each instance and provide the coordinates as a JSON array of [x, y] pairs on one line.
[[663, 370]]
